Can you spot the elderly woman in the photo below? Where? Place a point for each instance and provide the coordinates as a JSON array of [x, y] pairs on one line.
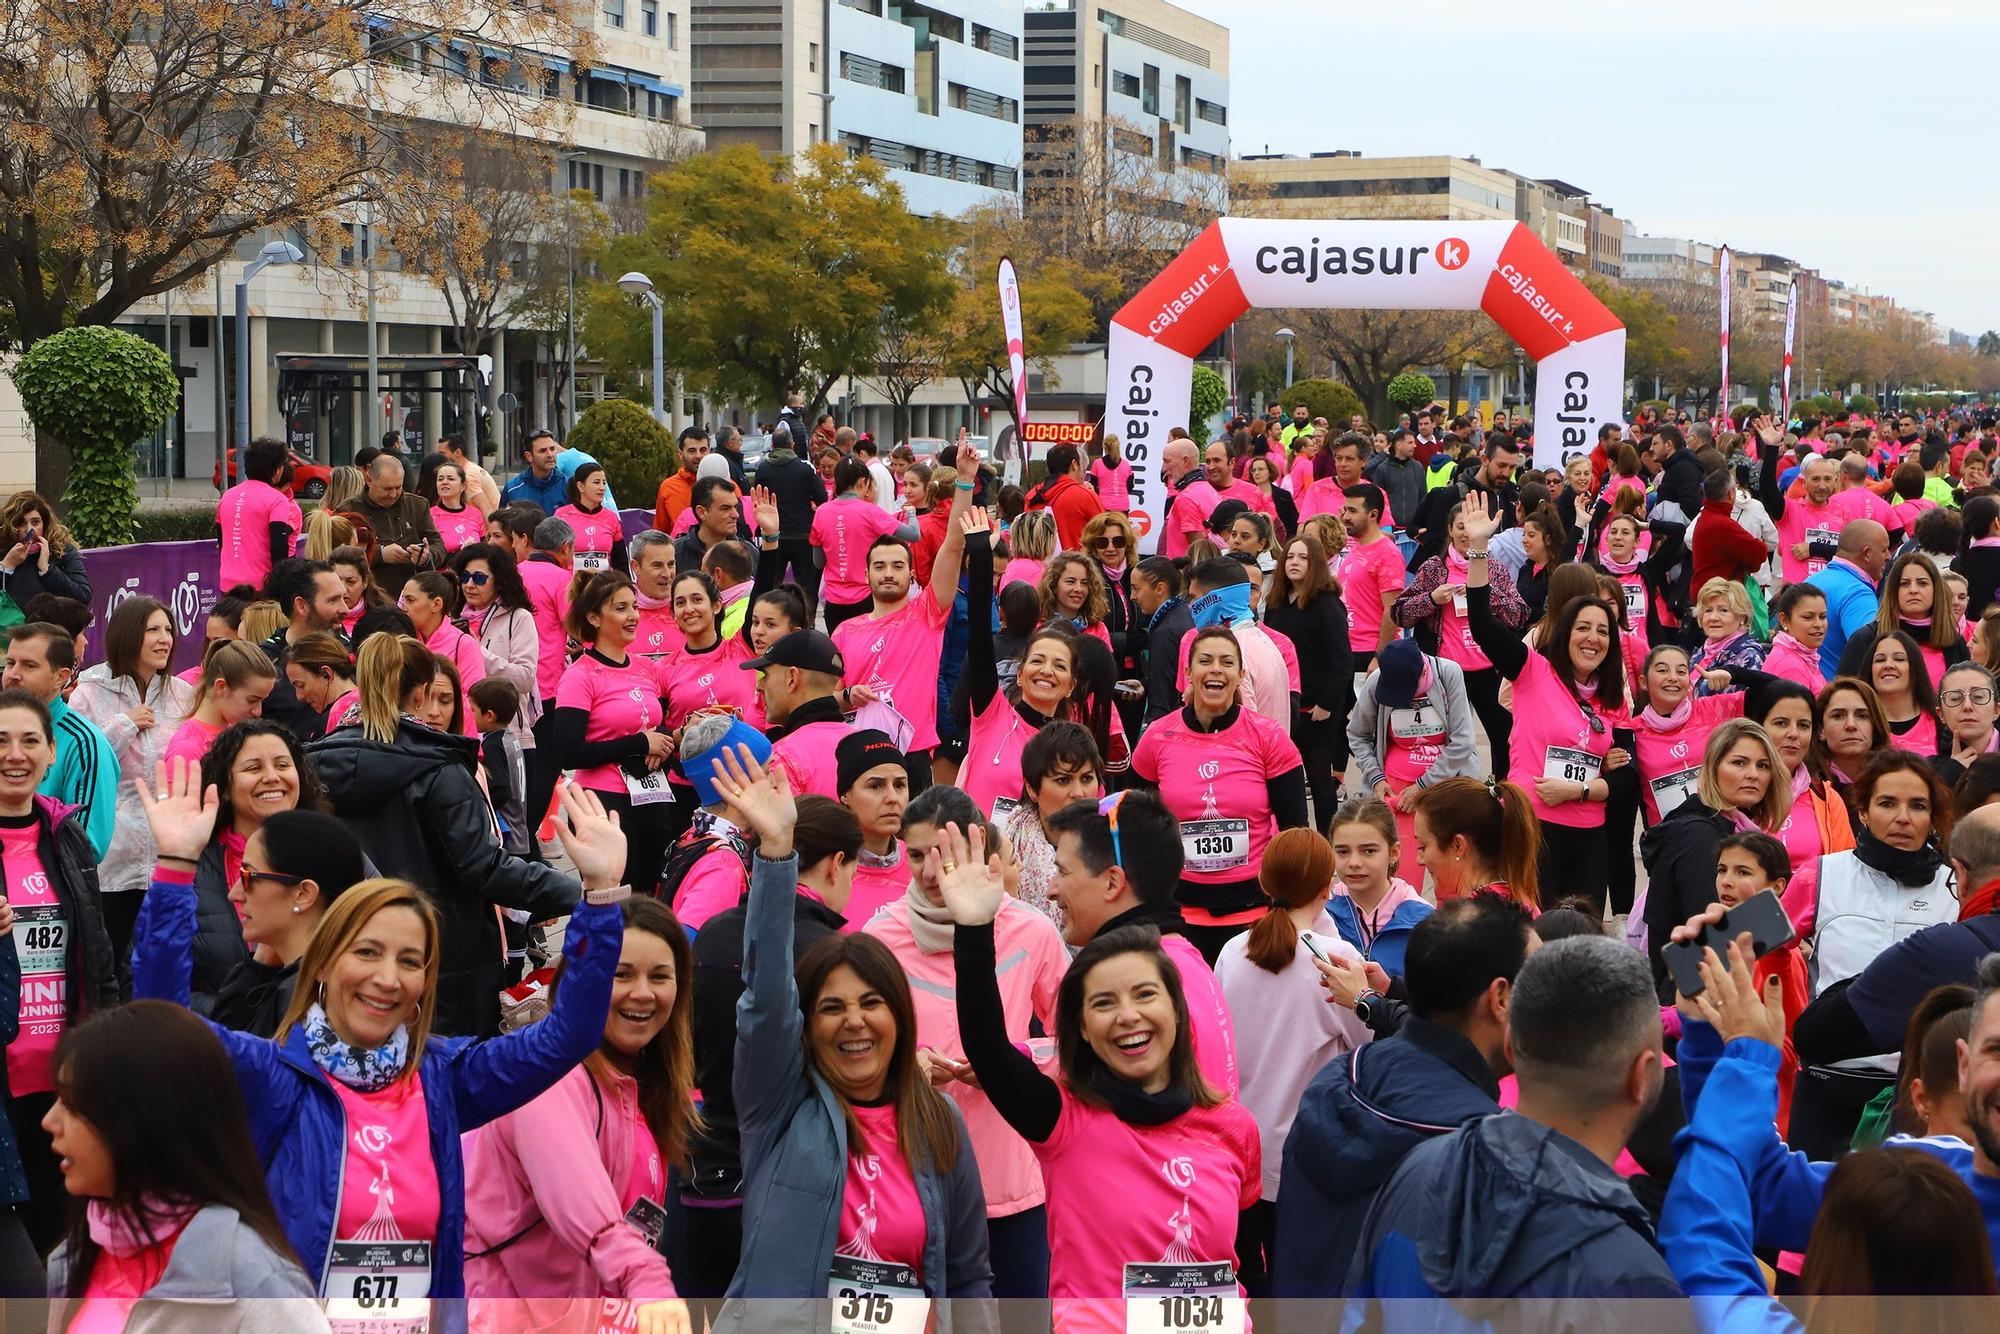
[[1722, 609]]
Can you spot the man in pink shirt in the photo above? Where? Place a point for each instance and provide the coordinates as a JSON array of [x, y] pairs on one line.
[[1857, 500], [1373, 575], [1118, 863], [546, 575], [256, 519], [895, 648], [1180, 469], [1808, 525], [1218, 483]]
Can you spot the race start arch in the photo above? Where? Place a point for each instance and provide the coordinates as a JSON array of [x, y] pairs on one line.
[[1241, 264]]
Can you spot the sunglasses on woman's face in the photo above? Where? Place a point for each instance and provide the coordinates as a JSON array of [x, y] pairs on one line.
[[477, 578], [1109, 541]]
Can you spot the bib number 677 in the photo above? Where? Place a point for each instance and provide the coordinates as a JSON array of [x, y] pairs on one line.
[[375, 1289]]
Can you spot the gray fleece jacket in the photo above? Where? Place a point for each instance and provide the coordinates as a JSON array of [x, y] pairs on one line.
[[222, 1277]]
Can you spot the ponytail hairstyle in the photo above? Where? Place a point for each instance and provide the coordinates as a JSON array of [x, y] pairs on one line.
[[236, 662], [322, 651], [1297, 870], [389, 668], [1498, 823], [356, 558], [437, 584], [1930, 1050]]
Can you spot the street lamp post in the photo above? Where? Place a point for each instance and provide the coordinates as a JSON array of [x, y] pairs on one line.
[[1286, 336], [276, 252], [638, 284], [569, 283]]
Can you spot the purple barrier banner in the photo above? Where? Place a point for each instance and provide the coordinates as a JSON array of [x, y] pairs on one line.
[[182, 576], [635, 522]]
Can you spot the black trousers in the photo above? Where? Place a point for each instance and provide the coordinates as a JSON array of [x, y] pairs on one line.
[[1323, 747], [1620, 817], [1482, 690], [649, 832], [798, 554], [46, 1213], [1575, 863], [836, 612], [542, 773]]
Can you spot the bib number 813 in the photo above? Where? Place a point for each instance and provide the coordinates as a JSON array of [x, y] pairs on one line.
[[376, 1290], [1575, 773], [1177, 1313], [872, 1307]]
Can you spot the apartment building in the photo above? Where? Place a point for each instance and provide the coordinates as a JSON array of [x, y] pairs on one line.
[[1345, 184], [1668, 259], [932, 91]]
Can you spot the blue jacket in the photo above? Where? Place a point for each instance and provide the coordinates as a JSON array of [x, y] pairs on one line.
[[1356, 1122], [551, 495], [1851, 606], [1785, 1187], [1390, 941], [84, 774], [297, 1119], [794, 1135], [1503, 1208]]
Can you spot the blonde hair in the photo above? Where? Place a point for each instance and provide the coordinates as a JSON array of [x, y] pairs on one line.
[[261, 620], [1033, 536], [326, 533], [1777, 803], [1732, 595], [1096, 527], [237, 662], [344, 920], [388, 668], [343, 484]]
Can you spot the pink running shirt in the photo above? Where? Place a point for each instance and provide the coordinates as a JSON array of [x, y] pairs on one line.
[[618, 700], [245, 515], [459, 528], [881, 1217], [844, 529], [897, 656], [43, 939], [1217, 784], [1372, 570]]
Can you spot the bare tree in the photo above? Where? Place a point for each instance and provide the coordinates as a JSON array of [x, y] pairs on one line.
[[909, 356]]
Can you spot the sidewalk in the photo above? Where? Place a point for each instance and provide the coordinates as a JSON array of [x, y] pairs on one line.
[[159, 492]]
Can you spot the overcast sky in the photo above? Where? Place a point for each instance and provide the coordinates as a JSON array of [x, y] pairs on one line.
[[1855, 138]]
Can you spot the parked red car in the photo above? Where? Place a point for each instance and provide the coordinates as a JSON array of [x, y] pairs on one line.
[[309, 479]]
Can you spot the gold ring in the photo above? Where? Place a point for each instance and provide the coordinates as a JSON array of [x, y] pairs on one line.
[[949, 867]]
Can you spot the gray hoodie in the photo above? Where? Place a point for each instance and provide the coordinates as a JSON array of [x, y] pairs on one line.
[[222, 1277]]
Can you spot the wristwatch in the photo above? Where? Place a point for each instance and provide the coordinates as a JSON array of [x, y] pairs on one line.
[[1364, 1006], [609, 895]]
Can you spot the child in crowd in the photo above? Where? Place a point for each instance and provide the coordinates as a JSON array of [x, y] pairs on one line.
[[495, 700]]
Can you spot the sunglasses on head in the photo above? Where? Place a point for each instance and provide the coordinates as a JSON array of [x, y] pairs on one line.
[[1108, 808]]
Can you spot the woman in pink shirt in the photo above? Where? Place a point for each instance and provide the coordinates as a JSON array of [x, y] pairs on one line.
[[1030, 543], [1909, 701], [1071, 589], [917, 928], [600, 533], [1818, 821], [458, 522], [1232, 779], [321, 672], [357, 580], [1569, 695], [428, 599], [843, 529], [1672, 731], [1476, 840], [1111, 474], [565, 1198], [608, 726], [1917, 601], [1148, 1167], [235, 678], [1800, 618], [1620, 557], [701, 676], [187, 1215]]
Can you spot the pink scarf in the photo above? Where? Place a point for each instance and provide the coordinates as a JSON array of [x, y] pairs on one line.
[[1455, 565], [1611, 563], [1656, 721], [1783, 640], [1986, 541], [114, 1231], [1711, 649], [650, 604], [1114, 572]]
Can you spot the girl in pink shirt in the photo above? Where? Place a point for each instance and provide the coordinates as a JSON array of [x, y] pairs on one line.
[[600, 533], [1909, 701], [1148, 1167], [458, 523], [1621, 557], [428, 599], [842, 530], [1800, 614], [235, 678], [1672, 731], [608, 726], [1569, 694], [1232, 779], [566, 1197], [1111, 474]]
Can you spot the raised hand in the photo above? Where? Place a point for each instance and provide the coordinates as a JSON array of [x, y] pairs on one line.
[[1480, 518], [592, 838], [764, 504], [1731, 1002], [759, 798], [970, 881], [180, 810], [975, 520]]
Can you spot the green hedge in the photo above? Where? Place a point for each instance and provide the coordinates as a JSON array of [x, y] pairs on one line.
[[174, 523]]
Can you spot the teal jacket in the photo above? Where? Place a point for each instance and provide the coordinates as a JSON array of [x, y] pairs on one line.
[[84, 774]]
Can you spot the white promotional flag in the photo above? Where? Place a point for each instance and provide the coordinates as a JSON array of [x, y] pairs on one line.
[[1791, 329]]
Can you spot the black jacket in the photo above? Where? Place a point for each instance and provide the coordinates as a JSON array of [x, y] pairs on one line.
[[1122, 620], [795, 484], [1326, 657], [253, 998], [1680, 482], [283, 705], [1679, 854], [718, 985], [1163, 647], [218, 931], [65, 578], [1401, 480], [416, 808]]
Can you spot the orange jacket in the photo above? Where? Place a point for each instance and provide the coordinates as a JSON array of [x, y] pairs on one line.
[[675, 495]]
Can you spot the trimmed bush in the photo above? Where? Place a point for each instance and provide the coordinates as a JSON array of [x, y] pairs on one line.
[[636, 451], [1325, 398]]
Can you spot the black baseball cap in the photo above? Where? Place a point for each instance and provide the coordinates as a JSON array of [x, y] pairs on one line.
[[807, 650], [1225, 514]]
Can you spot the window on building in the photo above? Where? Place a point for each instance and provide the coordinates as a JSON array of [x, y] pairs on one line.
[[1149, 90], [1183, 101], [673, 31], [1002, 44], [1125, 85], [1130, 141], [614, 13], [812, 57], [871, 73], [982, 103], [1213, 113], [649, 17], [812, 132]]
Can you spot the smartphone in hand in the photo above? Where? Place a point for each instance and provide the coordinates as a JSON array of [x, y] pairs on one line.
[[1762, 915]]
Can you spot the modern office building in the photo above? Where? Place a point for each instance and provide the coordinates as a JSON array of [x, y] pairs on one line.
[[1346, 184], [932, 91]]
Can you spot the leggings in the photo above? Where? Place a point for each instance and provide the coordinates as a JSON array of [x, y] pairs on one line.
[[1019, 1244], [1575, 863], [1619, 816], [542, 774], [45, 1213], [649, 832], [1482, 689], [1323, 746]]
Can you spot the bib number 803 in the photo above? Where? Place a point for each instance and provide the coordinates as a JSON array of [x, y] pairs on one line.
[[871, 1307], [1178, 1313], [375, 1289]]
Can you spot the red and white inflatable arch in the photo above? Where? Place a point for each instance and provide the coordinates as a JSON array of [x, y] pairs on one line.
[[1238, 264]]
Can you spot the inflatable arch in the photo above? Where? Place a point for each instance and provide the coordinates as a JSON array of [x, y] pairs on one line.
[[1239, 264]]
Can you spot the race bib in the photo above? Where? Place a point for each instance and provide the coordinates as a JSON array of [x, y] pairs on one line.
[[1635, 606], [1458, 603], [1670, 790], [379, 1287], [875, 1297], [1196, 1298], [1004, 807], [1215, 845], [1571, 766], [41, 939], [650, 1218], [1422, 721], [649, 788], [593, 561], [1816, 537]]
